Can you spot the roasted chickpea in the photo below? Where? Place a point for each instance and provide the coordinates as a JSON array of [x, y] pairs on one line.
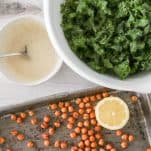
[[101, 142], [63, 145], [23, 115], [131, 138], [57, 124], [148, 149], [89, 110], [105, 94], [86, 99], [71, 120], [88, 149], [61, 104], [88, 105], [34, 121], [78, 101], [84, 130], [134, 98], [97, 128], [86, 123], [20, 137], [81, 105], [53, 106], [75, 115], [51, 131], [69, 126], [93, 98], [64, 116], [119, 132], [113, 149], [73, 135], [81, 144], [46, 143], [124, 144], [102, 149], [80, 124], [77, 130], [98, 136], [93, 121], [19, 120], [31, 113], [8, 149], [92, 138], [93, 144], [2, 140], [108, 147], [86, 116], [84, 137], [67, 104], [13, 117], [124, 137], [57, 144], [14, 132], [70, 109], [45, 136], [30, 144], [57, 113], [92, 115], [90, 132], [87, 143], [64, 110], [98, 96], [44, 125], [74, 148], [46, 118], [81, 111]]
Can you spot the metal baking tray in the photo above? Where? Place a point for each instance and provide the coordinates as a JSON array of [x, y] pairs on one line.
[[139, 123]]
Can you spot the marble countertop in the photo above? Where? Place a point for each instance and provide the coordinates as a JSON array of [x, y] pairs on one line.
[[64, 81]]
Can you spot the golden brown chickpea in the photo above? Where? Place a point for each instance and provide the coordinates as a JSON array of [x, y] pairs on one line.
[[46, 118], [90, 132], [46, 143], [87, 143], [34, 121], [61, 104], [124, 144], [119, 132], [23, 115], [63, 145], [75, 115], [64, 116], [69, 126], [81, 105], [105, 94], [134, 98], [86, 123], [44, 125], [86, 116], [93, 144], [77, 130], [98, 96], [13, 117], [73, 135], [92, 138], [2, 140], [84, 130], [8, 149], [71, 120], [93, 121], [14, 132], [19, 120], [57, 113], [31, 113], [20, 137], [51, 131], [57, 144], [81, 144], [30, 144], [131, 138], [80, 124], [86, 99], [113, 149], [70, 109], [148, 149], [67, 104], [57, 124], [92, 98], [64, 110], [124, 137], [87, 105], [92, 115], [81, 111], [97, 128], [89, 110], [101, 142], [84, 137], [53, 106], [74, 148], [45, 136], [78, 101], [87, 149], [98, 136], [102, 149], [108, 147]]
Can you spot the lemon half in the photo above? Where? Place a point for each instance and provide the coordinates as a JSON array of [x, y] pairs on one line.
[[112, 113]]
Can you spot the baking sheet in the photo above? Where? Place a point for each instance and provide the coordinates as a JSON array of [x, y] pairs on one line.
[[139, 123]]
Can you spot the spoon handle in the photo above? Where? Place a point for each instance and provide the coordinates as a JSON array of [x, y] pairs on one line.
[[10, 54]]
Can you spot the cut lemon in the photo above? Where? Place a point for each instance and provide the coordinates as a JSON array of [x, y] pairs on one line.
[[112, 113]]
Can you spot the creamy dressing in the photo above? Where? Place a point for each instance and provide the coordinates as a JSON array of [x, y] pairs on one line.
[[41, 57]]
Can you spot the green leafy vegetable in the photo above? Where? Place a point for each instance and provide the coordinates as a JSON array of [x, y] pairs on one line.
[[110, 36]]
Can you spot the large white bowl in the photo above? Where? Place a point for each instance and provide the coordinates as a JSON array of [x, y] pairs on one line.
[[139, 83]]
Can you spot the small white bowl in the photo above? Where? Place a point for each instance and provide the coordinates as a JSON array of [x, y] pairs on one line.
[[140, 82], [5, 72]]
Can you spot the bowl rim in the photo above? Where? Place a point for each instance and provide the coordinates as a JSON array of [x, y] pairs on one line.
[[50, 74], [72, 65]]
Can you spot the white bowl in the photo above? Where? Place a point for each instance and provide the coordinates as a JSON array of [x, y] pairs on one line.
[[140, 82], [5, 73]]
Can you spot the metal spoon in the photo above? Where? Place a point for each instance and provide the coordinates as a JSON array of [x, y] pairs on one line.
[[21, 53]]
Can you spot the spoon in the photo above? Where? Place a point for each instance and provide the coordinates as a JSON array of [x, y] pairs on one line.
[[21, 53]]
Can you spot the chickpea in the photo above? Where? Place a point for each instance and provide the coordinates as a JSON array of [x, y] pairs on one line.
[[81, 144], [46, 143], [30, 144], [148, 149], [124, 137], [80, 124], [53, 106], [93, 121], [57, 113], [73, 135], [63, 145], [101, 142], [23, 115], [71, 120], [84, 130], [81, 111], [64, 110], [87, 143], [88, 105], [57, 124], [70, 109], [92, 115], [105, 94], [94, 149], [131, 138], [86, 99], [61, 104], [81, 105], [44, 125], [51, 131], [108, 147], [78, 101], [45, 136], [13, 117], [119, 132], [90, 132], [124, 144], [69, 126], [93, 144], [67, 104], [64, 116], [85, 116], [46, 118], [102, 149], [113, 149], [84, 137], [89, 110], [97, 128], [74, 148], [75, 115], [98, 96], [134, 98], [20, 137], [77, 130], [57, 144], [34, 121], [98, 136], [88, 149], [2, 140], [9, 149], [19, 120], [31, 113], [14, 132], [86, 123], [92, 138], [92, 98]]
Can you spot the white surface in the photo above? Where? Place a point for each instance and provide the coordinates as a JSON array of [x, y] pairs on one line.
[[65, 80], [139, 83]]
